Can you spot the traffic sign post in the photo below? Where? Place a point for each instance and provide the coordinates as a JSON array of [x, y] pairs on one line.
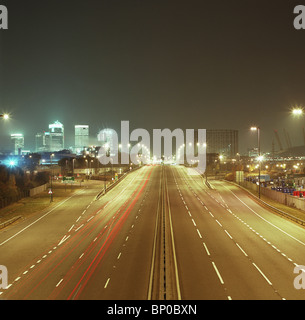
[[66, 180], [51, 195]]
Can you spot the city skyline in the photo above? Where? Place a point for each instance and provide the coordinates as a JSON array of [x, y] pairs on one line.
[[41, 142], [220, 141], [198, 64]]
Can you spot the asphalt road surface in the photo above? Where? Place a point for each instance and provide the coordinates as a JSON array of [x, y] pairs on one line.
[[161, 233]]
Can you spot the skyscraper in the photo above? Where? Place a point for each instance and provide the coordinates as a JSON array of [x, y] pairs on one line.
[[56, 136], [17, 143], [81, 137], [42, 141]]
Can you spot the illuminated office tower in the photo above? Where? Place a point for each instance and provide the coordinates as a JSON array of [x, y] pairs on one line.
[[81, 137], [17, 142], [42, 141], [56, 130]]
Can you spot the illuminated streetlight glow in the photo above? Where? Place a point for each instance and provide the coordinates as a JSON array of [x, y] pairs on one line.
[[5, 116], [260, 158], [12, 163], [297, 111]]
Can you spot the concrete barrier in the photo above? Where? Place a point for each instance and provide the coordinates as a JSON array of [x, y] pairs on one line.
[[281, 212], [10, 221]]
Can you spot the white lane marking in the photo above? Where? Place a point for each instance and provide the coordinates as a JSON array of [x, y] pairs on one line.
[[79, 227], [218, 222], [228, 234], [217, 272], [241, 249], [90, 218], [62, 241], [199, 234], [106, 284], [206, 249], [260, 271], [59, 283]]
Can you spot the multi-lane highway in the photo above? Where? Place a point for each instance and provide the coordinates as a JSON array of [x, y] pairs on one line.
[[161, 233]]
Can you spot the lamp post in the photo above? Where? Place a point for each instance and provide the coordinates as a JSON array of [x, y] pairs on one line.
[[73, 166], [259, 158], [91, 169], [297, 111], [51, 190], [87, 175], [107, 153], [4, 116]]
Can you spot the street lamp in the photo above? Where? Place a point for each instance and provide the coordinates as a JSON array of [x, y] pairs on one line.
[[73, 166], [297, 111], [257, 129], [51, 190], [4, 116]]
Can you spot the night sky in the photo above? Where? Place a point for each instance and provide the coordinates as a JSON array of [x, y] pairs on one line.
[[225, 64]]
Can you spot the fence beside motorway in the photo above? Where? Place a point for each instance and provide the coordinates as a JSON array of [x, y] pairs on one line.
[[281, 197], [38, 190], [4, 202], [281, 212]]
